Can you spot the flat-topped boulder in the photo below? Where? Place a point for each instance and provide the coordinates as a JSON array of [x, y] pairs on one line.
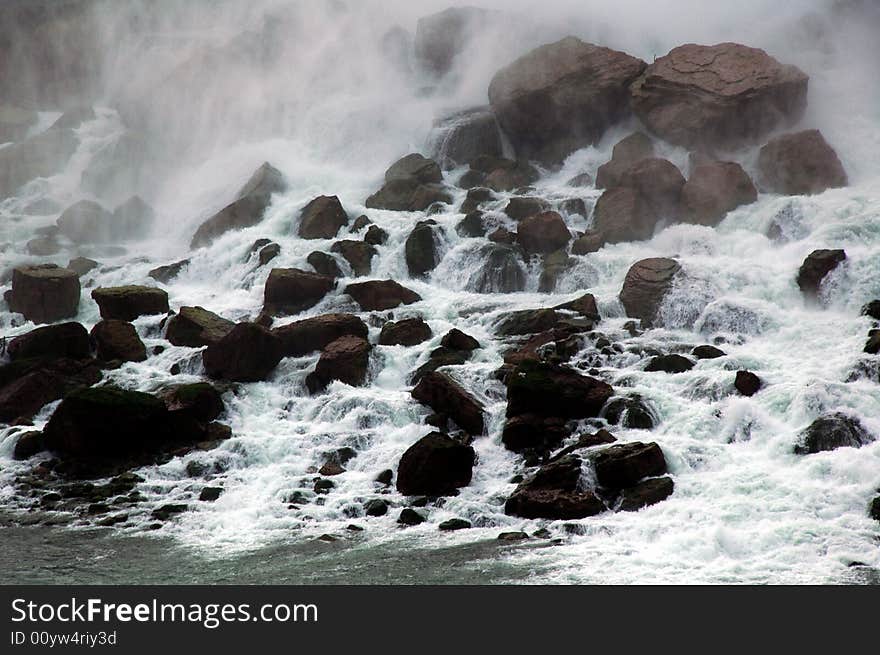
[[379, 295], [446, 396], [322, 218], [248, 353], [291, 290], [436, 465], [129, 302], [52, 341], [118, 341], [44, 293], [800, 164], [315, 333], [646, 284], [406, 332], [196, 326]]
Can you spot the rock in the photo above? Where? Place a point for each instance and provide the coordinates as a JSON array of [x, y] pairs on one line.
[[129, 302], [874, 509], [832, 431], [621, 215], [42, 155], [462, 136], [28, 445], [268, 253], [543, 233], [248, 208], [630, 412], [407, 332], [471, 226], [415, 167], [408, 194], [458, 340], [441, 357], [872, 310], [133, 219], [27, 385], [452, 525], [747, 383], [475, 198], [358, 254], [872, 347], [707, 352], [626, 153], [647, 283], [590, 242], [329, 469], [581, 180], [322, 218], [533, 432], [445, 396], [585, 305], [527, 321], [522, 207], [669, 364], [800, 164], [210, 494], [435, 465], [647, 492], [625, 465], [554, 492], [659, 183], [714, 189], [196, 326], [346, 359], [118, 340], [557, 391], [501, 272], [816, 266], [380, 295], [421, 250], [44, 293], [553, 266], [43, 247], [51, 342], [248, 353], [561, 97], [165, 274], [385, 477], [441, 37], [409, 516], [376, 507], [722, 96], [199, 401], [82, 265], [291, 290], [324, 264], [316, 333], [510, 176], [360, 223], [375, 236]]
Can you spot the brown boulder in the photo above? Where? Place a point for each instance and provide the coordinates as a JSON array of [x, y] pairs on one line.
[[445, 396], [815, 268], [322, 218], [646, 284], [543, 233], [625, 465], [291, 290], [118, 340], [621, 215], [415, 167], [358, 254], [196, 326], [379, 295], [315, 333], [627, 152], [436, 465], [659, 183], [248, 353], [346, 359], [407, 332], [52, 341], [408, 194], [27, 385], [714, 189], [460, 137], [129, 302], [533, 432], [557, 391], [324, 264], [800, 164], [44, 293], [554, 492]]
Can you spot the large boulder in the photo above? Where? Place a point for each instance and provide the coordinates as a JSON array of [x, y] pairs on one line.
[[41, 155], [315, 333], [522, 207], [406, 332], [561, 97], [129, 302], [118, 340], [508, 175], [815, 268], [626, 153], [322, 218], [550, 390], [543, 233], [832, 431], [291, 290], [459, 138], [445, 396], [502, 271], [555, 491], [324, 264], [52, 341], [533, 432], [44, 293], [714, 189], [412, 183], [718, 97], [379, 295], [800, 164], [421, 250], [415, 167], [246, 210], [625, 465], [346, 359], [659, 183], [196, 326], [435, 465], [358, 254], [646, 284], [87, 222], [441, 37], [248, 353], [27, 385], [621, 215], [199, 401]]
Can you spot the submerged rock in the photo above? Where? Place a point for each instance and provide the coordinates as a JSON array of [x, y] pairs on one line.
[[436, 465], [630, 412], [44, 293], [669, 364], [165, 274]]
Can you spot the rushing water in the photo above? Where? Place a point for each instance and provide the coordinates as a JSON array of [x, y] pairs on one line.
[[332, 113]]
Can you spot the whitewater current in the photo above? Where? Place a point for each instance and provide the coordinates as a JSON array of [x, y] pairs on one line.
[[745, 508]]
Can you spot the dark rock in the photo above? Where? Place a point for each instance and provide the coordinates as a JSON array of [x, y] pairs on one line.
[[471, 179], [210, 494], [441, 37], [52, 341], [581, 180], [574, 207], [707, 352], [268, 253], [44, 293], [872, 310], [626, 153], [747, 383], [375, 236], [329, 469], [324, 264], [527, 321], [322, 218], [82, 265], [513, 536], [599, 438], [562, 97], [444, 395], [165, 274], [554, 492], [421, 250], [501, 272], [474, 198], [415, 167], [199, 401], [584, 305], [462, 136], [669, 364], [346, 359], [816, 266], [590, 242], [129, 302], [533, 432], [471, 225], [409, 516], [543, 233], [631, 412], [714, 189], [458, 340], [556, 391], [832, 431], [647, 283], [518, 175], [360, 223], [407, 332], [28, 444], [315, 333], [435, 465], [454, 524], [196, 327], [440, 358], [380, 295], [408, 194], [27, 385], [376, 507], [165, 512], [358, 254], [291, 290], [621, 215], [385, 477], [647, 492], [118, 340], [522, 207], [872, 346], [624, 465], [248, 353], [800, 164], [659, 183]]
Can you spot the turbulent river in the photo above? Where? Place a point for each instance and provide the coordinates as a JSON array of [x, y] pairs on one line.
[[332, 112]]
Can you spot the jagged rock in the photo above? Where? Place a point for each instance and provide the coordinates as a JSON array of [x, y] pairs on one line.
[[543, 233], [800, 164], [551, 390], [165, 274], [435, 465], [196, 326], [248, 353], [832, 431], [669, 364], [533, 432], [248, 208], [554, 492], [561, 97], [645, 286], [421, 250], [522, 207], [647, 492], [118, 340], [631, 412], [464, 135], [375, 236], [707, 352], [324, 264], [714, 189], [44, 293], [722, 96], [358, 254], [444, 395], [407, 332], [52, 342], [501, 272], [129, 302], [626, 153], [82, 265], [441, 37], [291, 290], [379, 295], [346, 359], [322, 218], [458, 340], [625, 465], [316, 333], [816, 266]]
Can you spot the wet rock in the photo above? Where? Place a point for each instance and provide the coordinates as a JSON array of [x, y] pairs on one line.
[[626, 153], [621, 215], [872, 310], [43, 247], [624, 465], [452, 525], [133, 219], [87, 222], [129, 302], [322, 218], [669, 364], [816, 266], [590, 242], [441, 37], [165, 274], [659, 183], [440, 357], [581, 180], [376, 507], [714, 189], [874, 509], [435, 465], [198, 401], [118, 340], [82, 265], [415, 167], [380, 295], [421, 249], [268, 253], [501, 272], [407, 332], [747, 383], [522, 207], [385, 477], [631, 412], [502, 235], [196, 327], [375, 236], [458, 340], [408, 194], [832, 431], [647, 492], [722, 96], [27, 385], [248, 353], [166, 512], [474, 198], [599, 438], [646, 284], [210, 494], [529, 432], [553, 266], [800, 164], [872, 346], [543, 233], [316, 333], [584, 305], [44, 293], [561, 97], [707, 352], [346, 359], [464, 135], [527, 321], [248, 208], [358, 254], [28, 444], [324, 264], [554, 492], [291, 290], [557, 391], [15, 122], [52, 341], [444, 395], [510, 176], [471, 226], [360, 223], [409, 516]]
